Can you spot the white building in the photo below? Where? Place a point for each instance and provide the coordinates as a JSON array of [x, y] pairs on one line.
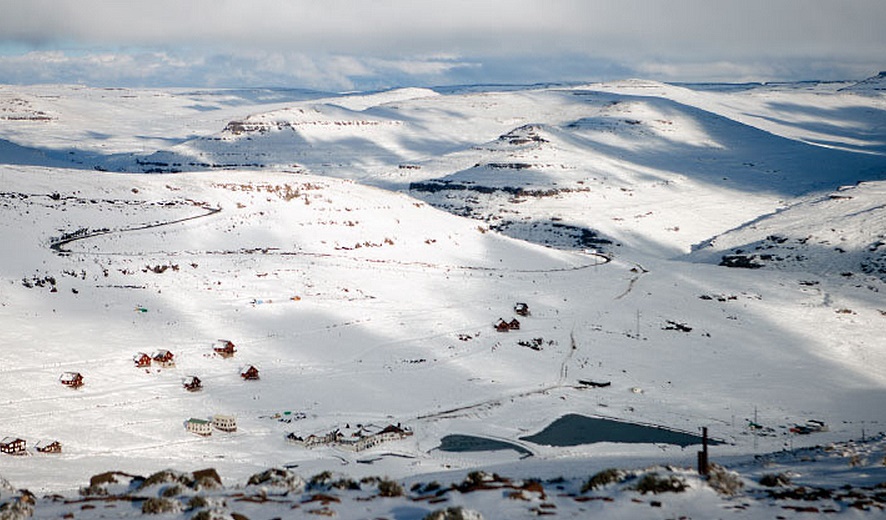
[[225, 423], [363, 437], [199, 426]]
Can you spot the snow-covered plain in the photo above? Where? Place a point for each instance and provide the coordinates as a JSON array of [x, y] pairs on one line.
[[359, 249]]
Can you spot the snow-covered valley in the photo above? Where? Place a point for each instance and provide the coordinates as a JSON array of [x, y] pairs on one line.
[[690, 257]]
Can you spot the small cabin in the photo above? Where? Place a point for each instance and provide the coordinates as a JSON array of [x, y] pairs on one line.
[[13, 446], [71, 379], [502, 326], [192, 384], [224, 348], [521, 309], [514, 324], [249, 373], [48, 447], [199, 427], [394, 432], [142, 360], [225, 423], [164, 358]]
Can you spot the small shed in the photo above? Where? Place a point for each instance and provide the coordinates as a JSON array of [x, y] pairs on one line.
[[224, 348], [71, 379], [13, 446], [514, 324], [164, 358], [48, 447], [142, 360], [521, 309], [192, 384], [225, 423], [199, 427], [249, 373], [502, 326]]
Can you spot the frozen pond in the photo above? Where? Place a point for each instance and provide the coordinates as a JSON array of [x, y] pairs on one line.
[[464, 443], [574, 429]]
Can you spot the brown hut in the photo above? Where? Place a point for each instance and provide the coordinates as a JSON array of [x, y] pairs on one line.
[[192, 384], [48, 447], [71, 379], [521, 309], [224, 348]]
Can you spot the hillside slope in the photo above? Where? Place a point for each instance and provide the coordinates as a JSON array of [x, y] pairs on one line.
[[843, 233], [311, 233]]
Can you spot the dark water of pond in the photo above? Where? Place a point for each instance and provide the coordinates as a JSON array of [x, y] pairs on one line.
[[463, 443], [574, 430]]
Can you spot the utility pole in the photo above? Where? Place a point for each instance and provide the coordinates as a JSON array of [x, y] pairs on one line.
[[703, 454], [756, 429]]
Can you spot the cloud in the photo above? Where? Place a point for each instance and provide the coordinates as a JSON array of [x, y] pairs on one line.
[[234, 69], [347, 44]]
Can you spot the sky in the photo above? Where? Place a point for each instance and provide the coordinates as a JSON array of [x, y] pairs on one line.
[[344, 45]]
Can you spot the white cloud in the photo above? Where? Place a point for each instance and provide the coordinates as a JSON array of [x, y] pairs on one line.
[[343, 44], [231, 69]]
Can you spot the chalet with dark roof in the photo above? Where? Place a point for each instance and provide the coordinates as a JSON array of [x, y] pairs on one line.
[[48, 447], [13, 446], [192, 384]]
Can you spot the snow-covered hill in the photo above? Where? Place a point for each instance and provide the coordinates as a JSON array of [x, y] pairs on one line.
[[874, 85], [840, 234], [360, 251]]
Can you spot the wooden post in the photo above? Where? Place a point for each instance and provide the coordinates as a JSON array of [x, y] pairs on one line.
[[703, 454]]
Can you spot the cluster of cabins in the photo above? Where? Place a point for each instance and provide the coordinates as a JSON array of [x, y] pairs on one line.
[[161, 358], [520, 309], [164, 359], [363, 437], [204, 427], [19, 446]]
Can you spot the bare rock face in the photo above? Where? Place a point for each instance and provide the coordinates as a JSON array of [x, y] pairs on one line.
[[454, 513], [19, 506], [282, 479]]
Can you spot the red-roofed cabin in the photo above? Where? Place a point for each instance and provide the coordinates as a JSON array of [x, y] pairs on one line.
[[249, 373], [164, 358], [502, 326], [142, 360], [71, 379], [224, 348]]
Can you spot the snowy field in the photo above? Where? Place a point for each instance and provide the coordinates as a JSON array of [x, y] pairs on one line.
[[690, 257]]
